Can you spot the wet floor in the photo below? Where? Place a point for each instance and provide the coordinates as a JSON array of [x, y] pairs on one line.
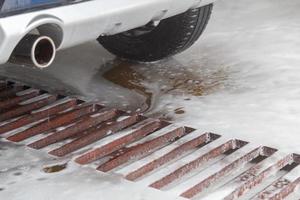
[[155, 80], [125, 84], [241, 77]]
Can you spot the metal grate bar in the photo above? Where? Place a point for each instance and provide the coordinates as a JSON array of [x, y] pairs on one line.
[[141, 150], [55, 122], [142, 131], [36, 116], [94, 136]]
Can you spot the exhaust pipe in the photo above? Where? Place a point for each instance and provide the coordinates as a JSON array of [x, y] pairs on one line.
[[34, 50]]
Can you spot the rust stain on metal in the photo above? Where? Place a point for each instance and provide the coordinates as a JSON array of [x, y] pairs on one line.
[[119, 143], [80, 126], [94, 136], [205, 138], [7, 104], [193, 191], [141, 150], [36, 116], [51, 123], [25, 109], [180, 172], [290, 188], [270, 191], [256, 168], [259, 178]]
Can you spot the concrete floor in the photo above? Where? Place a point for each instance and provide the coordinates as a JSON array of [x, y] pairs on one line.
[[242, 75]]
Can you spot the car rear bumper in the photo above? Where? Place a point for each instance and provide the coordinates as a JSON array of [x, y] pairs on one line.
[[77, 23]]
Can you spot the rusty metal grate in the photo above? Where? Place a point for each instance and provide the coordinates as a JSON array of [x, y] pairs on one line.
[[156, 153]]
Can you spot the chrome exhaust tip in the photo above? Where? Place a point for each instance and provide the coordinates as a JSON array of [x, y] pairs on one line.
[[36, 50], [43, 52]]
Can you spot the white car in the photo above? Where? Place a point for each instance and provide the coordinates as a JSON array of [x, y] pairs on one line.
[[31, 31]]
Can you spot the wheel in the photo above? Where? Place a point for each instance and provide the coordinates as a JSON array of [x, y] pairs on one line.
[[158, 40]]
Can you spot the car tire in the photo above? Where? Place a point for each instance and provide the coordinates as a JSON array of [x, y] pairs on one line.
[[171, 36]]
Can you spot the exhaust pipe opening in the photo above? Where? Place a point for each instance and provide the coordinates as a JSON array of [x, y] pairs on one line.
[[34, 50], [43, 52]]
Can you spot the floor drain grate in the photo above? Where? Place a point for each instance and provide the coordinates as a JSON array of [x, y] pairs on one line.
[[149, 151]]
